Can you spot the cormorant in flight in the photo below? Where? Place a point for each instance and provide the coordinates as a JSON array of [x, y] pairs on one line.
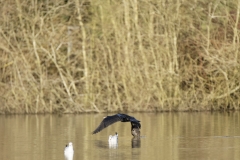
[[135, 129]]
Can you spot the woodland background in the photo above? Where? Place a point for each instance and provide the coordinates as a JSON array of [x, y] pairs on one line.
[[62, 56]]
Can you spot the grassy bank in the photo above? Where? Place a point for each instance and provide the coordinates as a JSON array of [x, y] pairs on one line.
[[82, 56]]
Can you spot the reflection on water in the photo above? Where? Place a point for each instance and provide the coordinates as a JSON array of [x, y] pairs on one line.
[[113, 145], [136, 142], [101, 144], [166, 136]]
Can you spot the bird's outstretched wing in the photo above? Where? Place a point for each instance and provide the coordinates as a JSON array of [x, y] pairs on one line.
[[106, 122]]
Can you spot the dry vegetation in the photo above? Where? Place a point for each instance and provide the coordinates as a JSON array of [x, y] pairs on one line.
[[93, 56]]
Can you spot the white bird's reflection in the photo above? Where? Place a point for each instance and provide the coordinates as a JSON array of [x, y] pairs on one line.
[[68, 151], [113, 145]]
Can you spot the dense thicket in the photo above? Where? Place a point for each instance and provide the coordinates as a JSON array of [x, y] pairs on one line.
[[129, 55]]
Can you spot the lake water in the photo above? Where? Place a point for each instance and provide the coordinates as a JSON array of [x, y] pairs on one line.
[[197, 135]]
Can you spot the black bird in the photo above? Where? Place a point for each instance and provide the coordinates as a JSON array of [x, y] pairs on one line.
[[135, 129]]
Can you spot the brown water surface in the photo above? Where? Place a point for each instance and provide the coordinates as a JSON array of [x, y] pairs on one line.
[[164, 136]]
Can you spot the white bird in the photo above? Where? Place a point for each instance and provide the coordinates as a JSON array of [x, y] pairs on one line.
[[68, 151], [113, 139]]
